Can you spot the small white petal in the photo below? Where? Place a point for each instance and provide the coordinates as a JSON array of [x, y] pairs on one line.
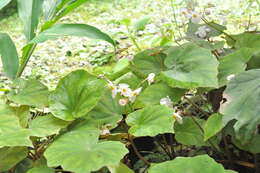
[[150, 78], [166, 101], [230, 77], [123, 101], [178, 117], [105, 132], [195, 17]]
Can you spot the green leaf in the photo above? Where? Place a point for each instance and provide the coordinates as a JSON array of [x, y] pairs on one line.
[[190, 67], [129, 78], [65, 8], [46, 125], [11, 133], [76, 95], [140, 24], [81, 30], [29, 92], [107, 111], [243, 94], [49, 8], [23, 113], [202, 164], [120, 168], [42, 169], [9, 157], [9, 56], [79, 151], [4, 3], [149, 61], [30, 12], [249, 40], [251, 145], [151, 121], [189, 133], [154, 93], [233, 64], [212, 126]]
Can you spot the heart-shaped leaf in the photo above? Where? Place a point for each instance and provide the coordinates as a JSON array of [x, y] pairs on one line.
[[190, 67], [76, 95], [151, 121], [79, 151]]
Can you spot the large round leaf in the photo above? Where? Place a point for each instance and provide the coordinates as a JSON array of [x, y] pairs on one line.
[[79, 151], [76, 95], [9, 157], [212, 126], [47, 125], [189, 133], [151, 121], [190, 66], [41, 169], [198, 164], [243, 98], [29, 92], [154, 93]]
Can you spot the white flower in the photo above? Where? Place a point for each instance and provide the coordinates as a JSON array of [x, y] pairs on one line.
[[105, 132], [134, 94], [124, 90], [185, 12], [195, 17], [150, 78], [113, 88], [202, 32], [166, 101], [177, 117], [230, 77], [123, 101]]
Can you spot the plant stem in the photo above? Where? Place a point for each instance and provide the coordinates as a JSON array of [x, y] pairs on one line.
[[164, 149], [196, 106], [133, 39], [137, 152], [212, 26], [26, 59]]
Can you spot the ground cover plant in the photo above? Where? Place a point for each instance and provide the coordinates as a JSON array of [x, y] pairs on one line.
[[187, 101]]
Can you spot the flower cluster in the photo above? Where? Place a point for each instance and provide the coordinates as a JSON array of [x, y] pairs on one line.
[[126, 92], [194, 16], [202, 32], [166, 101]]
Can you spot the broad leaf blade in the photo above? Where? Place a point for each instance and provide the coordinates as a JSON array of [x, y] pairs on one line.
[[29, 12], [190, 67], [10, 156], [151, 121], [81, 30], [212, 126], [9, 56], [30, 92], [76, 95], [46, 125], [243, 96], [202, 163], [79, 151]]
